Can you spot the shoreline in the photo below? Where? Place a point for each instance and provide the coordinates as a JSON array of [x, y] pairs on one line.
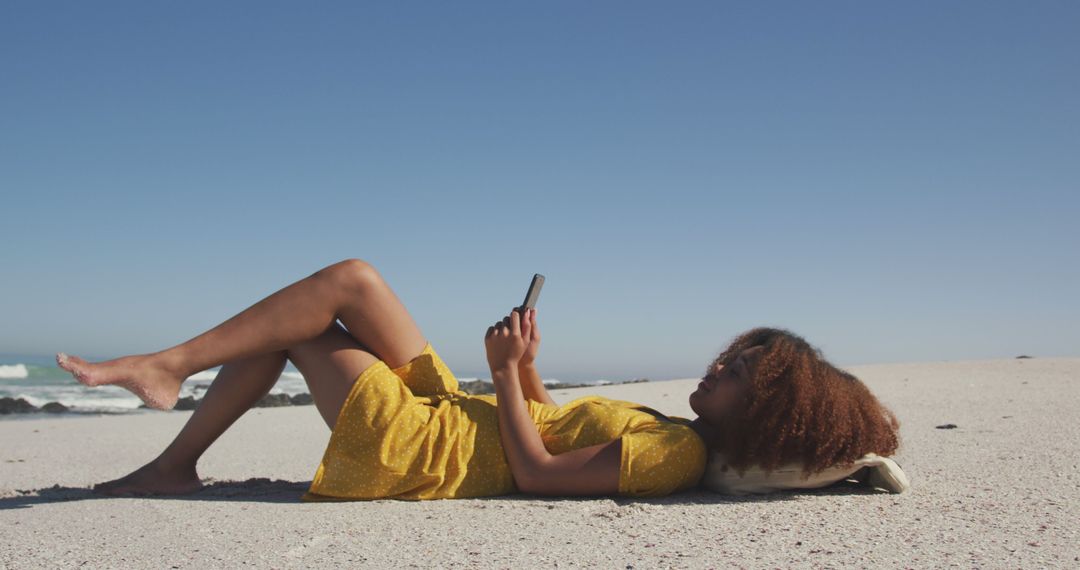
[[20, 407]]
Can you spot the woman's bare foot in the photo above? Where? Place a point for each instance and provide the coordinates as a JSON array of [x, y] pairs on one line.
[[153, 479], [143, 375]]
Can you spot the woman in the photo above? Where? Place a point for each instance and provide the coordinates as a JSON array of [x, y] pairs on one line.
[[401, 428]]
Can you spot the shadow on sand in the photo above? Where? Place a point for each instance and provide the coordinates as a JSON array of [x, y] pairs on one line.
[[260, 490], [263, 490]]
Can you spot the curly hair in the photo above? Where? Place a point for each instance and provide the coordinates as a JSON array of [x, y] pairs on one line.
[[801, 408]]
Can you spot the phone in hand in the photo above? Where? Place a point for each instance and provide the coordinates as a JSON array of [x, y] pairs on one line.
[[533, 293]]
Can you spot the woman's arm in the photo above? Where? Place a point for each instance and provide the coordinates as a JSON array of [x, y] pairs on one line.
[[531, 384], [590, 470], [587, 471]]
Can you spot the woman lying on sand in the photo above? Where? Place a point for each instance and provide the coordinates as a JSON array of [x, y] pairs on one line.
[[401, 428]]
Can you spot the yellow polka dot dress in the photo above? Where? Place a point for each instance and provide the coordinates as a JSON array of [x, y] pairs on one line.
[[411, 433]]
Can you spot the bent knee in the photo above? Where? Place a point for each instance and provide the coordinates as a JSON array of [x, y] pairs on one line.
[[352, 274]]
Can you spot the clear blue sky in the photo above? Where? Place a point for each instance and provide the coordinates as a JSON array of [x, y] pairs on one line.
[[894, 182]]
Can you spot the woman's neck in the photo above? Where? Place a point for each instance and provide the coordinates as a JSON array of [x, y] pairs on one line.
[[706, 431]]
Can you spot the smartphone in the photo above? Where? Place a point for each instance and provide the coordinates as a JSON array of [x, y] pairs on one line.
[[533, 294]]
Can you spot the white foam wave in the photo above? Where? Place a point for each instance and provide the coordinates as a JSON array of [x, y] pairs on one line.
[[204, 375], [116, 399], [81, 402], [211, 374], [13, 371]]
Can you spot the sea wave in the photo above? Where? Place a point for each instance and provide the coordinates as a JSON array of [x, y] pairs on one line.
[[81, 402], [204, 375], [211, 374], [40, 384], [13, 371], [44, 384]]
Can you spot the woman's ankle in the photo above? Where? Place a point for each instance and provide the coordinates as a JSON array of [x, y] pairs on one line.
[[170, 464], [172, 361]]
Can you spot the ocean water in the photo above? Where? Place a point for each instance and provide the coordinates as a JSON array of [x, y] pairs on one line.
[[39, 380]]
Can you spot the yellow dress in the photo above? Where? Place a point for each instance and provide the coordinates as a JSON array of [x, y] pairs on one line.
[[411, 433]]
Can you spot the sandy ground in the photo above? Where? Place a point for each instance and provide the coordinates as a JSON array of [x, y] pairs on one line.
[[1000, 490]]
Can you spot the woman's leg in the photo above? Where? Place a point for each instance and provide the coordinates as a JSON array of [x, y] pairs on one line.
[[237, 386], [329, 363], [351, 290]]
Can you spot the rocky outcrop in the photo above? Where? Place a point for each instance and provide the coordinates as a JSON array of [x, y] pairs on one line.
[[21, 406], [477, 387], [474, 387], [16, 406], [301, 399], [54, 408], [187, 403], [273, 401]]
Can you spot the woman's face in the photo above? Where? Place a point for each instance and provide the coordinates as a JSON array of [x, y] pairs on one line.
[[724, 387]]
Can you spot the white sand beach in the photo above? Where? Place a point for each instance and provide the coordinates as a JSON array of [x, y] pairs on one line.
[[1002, 489]]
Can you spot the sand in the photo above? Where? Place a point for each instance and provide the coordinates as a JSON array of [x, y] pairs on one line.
[[1002, 489]]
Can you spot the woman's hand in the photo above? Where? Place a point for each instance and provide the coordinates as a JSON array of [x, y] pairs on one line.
[[505, 343], [532, 332]]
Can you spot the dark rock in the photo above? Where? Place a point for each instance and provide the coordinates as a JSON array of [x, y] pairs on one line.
[[16, 406], [947, 426], [54, 408], [302, 399], [187, 403], [273, 401], [200, 386], [563, 386], [475, 387], [1025, 356], [635, 381], [267, 401]]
